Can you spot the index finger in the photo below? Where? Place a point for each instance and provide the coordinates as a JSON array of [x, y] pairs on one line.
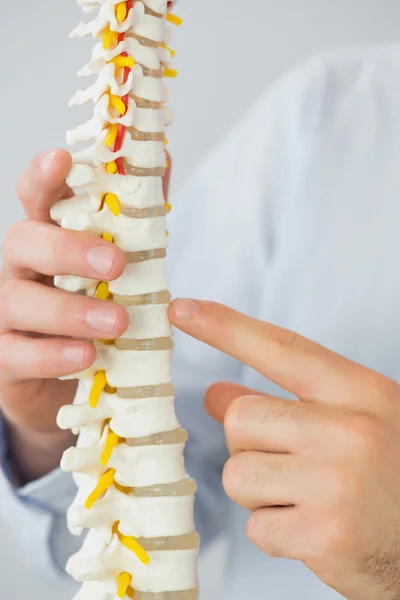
[[43, 183], [296, 364]]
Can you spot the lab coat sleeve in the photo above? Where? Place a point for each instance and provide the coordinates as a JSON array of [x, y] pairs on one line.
[[223, 236], [35, 515]]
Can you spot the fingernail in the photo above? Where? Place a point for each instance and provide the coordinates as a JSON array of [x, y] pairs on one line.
[[75, 354], [102, 319], [47, 162], [185, 309], [101, 259]]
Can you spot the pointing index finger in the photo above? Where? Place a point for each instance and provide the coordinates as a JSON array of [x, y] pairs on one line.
[[296, 364], [43, 183]]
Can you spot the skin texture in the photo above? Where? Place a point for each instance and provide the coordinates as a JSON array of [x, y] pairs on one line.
[[45, 333], [320, 477]]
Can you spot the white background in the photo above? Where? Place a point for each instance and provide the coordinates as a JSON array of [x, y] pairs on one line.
[[228, 52]]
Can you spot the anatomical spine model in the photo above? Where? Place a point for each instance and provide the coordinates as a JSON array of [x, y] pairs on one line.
[[134, 495]]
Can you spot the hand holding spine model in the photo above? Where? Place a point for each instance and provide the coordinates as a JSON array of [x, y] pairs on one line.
[[134, 495]]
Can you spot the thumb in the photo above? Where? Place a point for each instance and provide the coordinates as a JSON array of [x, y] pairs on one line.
[[220, 396]]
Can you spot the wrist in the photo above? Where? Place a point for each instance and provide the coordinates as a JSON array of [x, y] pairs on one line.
[[34, 454]]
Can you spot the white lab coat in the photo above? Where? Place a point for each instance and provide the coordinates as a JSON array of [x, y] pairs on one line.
[[294, 219]]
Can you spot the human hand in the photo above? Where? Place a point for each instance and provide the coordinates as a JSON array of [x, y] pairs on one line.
[[320, 476], [46, 333]]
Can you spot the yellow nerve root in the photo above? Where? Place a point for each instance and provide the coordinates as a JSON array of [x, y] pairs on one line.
[[112, 135], [121, 11], [165, 141], [111, 168], [124, 582], [136, 548], [106, 480], [133, 545], [112, 440], [117, 103], [102, 291], [174, 19], [172, 52], [109, 38], [168, 206], [107, 237], [98, 386], [113, 204], [123, 61], [170, 73]]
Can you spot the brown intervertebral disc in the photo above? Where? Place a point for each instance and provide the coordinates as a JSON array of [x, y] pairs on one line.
[[145, 255], [178, 436], [179, 542], [186, 487], [142, 136], [144, 213], [148, 11], [142, 103], [163, 297], [163, 390], [142, 40], [144, 172], [145, 345], [156, 73]]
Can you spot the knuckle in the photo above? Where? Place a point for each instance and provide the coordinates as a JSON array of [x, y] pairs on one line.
[[21, 185], [9, 292], [60, 245], [3, 359], [236, 474], [268, 536], [281, 338], [65, 307], [253, 529], [299, 413], [8, 240], [377, 384], [29, 184], [273, 411], [340, 480], [270, 471], [345, 485], [365, 434], [242, 475], [230, 476], [6, 346], [264, 410], [336, 538], [379, 391], [234, 416]]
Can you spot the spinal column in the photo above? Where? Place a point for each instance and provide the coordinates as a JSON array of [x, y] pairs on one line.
[[134, 494]]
